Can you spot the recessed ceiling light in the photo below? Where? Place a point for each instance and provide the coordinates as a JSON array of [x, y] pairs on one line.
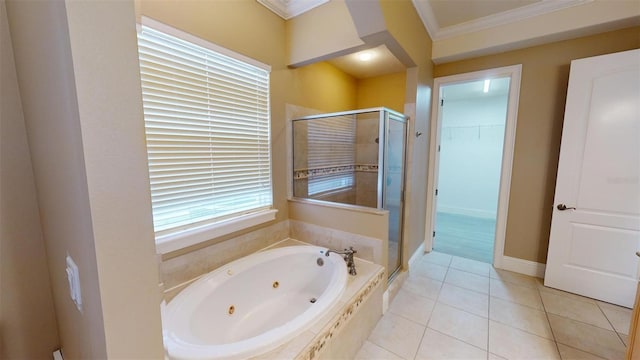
[[365, 56], [486, 85]]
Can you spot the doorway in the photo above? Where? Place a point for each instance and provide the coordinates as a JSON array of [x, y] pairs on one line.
[[471, 157]]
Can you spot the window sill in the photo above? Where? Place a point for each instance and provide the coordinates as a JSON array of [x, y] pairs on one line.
[[172, 242]]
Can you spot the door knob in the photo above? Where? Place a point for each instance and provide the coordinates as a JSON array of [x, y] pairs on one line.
[[563, 207]]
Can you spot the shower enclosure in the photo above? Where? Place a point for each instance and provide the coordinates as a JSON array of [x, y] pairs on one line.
[[357, 158]]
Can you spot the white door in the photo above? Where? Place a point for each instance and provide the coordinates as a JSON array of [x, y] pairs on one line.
[[592, 247]]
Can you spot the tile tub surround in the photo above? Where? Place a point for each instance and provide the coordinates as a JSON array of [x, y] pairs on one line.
[[180, 271], [341, 332], [495, 314], [370, 249], [344, 329]]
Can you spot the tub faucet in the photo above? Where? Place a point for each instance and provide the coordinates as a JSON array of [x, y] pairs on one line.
[[348, 258]]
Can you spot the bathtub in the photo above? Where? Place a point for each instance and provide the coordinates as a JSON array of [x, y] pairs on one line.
[[254, 304]]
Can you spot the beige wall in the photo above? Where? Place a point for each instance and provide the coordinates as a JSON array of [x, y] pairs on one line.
[[77, 73], [28, 322], [386, 90], [405, 26], [103, 44], [323, 87], [45, 76], [545, 75], [321, 33]]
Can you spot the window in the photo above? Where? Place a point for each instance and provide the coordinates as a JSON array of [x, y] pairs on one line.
[[331, 154], [206, 113]]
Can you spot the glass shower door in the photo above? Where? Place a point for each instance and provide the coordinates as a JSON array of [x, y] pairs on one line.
[[393, 183]]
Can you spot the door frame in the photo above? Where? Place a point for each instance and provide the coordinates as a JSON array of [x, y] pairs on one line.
[[514, 72]]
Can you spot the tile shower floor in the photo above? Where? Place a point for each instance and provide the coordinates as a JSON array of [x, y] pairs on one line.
[[456, 308]]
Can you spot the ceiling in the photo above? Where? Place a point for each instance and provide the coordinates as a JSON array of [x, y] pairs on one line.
[[445, 20], [449, 13], [381, 62]]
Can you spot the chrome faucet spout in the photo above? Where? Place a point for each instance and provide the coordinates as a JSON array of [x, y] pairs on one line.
[[348, 258]]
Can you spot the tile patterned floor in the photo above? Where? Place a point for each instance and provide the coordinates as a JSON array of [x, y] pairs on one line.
[[456, 308]]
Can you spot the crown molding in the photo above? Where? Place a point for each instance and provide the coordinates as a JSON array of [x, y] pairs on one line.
[[425, 11], [506, 17], [288, 9]]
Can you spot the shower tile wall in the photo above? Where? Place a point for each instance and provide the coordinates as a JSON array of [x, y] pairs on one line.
[[367, 129], [300, 133]]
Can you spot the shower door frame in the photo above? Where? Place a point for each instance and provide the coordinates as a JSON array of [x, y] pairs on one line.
[[382, 138], [514, 73], [384, 125]]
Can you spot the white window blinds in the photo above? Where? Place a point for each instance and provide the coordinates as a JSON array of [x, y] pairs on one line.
[[331, 153], [207, 127]]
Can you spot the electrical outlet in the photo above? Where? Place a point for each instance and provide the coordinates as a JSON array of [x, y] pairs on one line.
[[73, 276]]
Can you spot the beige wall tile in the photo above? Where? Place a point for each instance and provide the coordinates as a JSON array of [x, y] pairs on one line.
[[186, 267]]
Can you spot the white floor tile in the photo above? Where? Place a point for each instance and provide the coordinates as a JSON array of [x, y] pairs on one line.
[[412, 306], [371, 351], [397, 335], [569, 353], [515, 293], [463, 299], [515, 278], [586, 337], [619, 316], [467, 280], [423, 286], [437, 258], [520, 317], [472, 266], [586, 312], [460, 324], [438, 346], [512, 343], [429, 269]]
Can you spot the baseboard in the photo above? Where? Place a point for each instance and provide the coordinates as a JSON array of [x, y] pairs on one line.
[[522, 266], [416, 255]]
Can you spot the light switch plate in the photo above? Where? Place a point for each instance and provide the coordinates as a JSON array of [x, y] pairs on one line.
[[73, 276]]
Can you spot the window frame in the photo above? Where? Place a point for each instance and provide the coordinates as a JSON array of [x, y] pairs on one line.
[[186, 235]]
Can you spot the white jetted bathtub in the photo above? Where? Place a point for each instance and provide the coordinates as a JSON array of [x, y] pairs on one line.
[[254, 304]]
